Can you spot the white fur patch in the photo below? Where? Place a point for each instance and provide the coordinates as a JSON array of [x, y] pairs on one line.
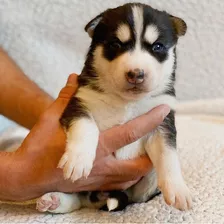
[[123, 33], [151, 34], [112, 203], [109, 109], [61, 202], [138, 23], [166, 69], [130, 151], [82, 140]]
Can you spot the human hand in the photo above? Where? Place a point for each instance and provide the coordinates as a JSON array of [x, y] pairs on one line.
[[41, 151]]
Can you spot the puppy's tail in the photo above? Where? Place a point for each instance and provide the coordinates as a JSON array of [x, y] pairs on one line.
[[116, 201]]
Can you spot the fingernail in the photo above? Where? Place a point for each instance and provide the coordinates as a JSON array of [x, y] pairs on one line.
[[165, 111]]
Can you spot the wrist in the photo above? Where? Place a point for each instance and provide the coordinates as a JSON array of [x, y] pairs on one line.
[[36, 179], [19, 180], [9, 173]]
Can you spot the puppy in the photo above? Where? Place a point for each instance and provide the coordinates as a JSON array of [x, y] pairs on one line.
[[130, 69]]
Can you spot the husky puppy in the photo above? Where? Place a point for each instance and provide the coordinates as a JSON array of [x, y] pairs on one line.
[[129, 69]]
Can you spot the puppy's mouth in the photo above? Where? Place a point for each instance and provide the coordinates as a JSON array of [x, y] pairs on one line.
[[133, 93], [136, 90]]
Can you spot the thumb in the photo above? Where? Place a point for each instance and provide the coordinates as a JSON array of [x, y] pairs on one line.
[[64, 97], [70, 88]]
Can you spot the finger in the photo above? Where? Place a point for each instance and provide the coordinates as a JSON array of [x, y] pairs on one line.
[[135, 168], [119, 136], [131, 169], [71, 86]]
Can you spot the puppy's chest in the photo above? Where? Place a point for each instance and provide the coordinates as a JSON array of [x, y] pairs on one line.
[[109, 114], [115, 115], [109, 111]]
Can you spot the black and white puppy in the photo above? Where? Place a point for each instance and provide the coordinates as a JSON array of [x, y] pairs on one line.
[[130, 69]]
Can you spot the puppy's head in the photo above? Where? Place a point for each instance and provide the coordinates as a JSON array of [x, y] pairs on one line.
[[133, 49]]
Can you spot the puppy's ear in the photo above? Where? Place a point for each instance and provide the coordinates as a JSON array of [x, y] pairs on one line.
[[179, 25], [90, 27]]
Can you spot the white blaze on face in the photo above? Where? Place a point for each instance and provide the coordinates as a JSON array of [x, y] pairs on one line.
[[123, 33], [140, 58], [138, 24]]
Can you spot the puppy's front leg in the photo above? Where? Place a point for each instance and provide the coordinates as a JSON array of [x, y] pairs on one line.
[[82, 139], [161, 148]]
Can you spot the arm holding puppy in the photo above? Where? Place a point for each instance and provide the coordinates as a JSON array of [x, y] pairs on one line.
[[31, 171]]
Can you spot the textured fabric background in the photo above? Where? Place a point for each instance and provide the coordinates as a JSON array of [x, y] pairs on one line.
[[46, 38]]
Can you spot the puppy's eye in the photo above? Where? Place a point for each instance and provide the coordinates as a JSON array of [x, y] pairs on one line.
[[158, 48], [115, 45]]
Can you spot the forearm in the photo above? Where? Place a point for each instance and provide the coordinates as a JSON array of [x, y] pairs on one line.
[[21, 100]]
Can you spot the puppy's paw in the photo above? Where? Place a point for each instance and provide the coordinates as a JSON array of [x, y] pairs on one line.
[[82, 141], [58, 202], [176, 194], [77, 162], [48, 202]]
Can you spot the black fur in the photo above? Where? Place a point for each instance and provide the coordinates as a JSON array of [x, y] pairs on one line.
[[169, 129], [94, 196], [170, 90], [164, 25], [75, 109], [122, 199], [98, 196]]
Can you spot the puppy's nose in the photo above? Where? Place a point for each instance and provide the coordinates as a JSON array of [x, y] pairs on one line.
[[135, 76]]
